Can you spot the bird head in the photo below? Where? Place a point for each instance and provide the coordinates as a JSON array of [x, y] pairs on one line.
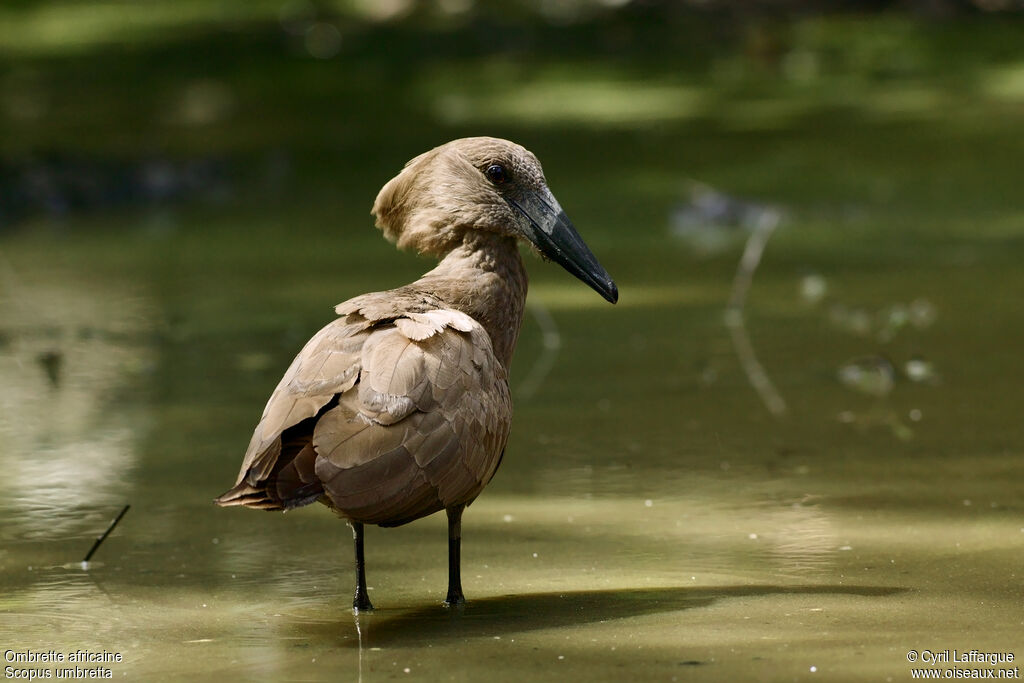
[[489, 185]]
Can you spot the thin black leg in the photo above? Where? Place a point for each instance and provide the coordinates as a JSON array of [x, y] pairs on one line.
[[455, 597], [361, 601]]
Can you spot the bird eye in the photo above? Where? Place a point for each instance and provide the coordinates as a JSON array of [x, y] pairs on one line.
[[496, 174]]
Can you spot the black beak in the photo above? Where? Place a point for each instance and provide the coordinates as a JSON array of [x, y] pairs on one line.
[[552, 232]]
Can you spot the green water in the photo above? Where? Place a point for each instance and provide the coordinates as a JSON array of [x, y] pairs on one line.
[[651, 520]]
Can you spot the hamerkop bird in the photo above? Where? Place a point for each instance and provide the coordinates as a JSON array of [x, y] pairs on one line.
[[400, 407]]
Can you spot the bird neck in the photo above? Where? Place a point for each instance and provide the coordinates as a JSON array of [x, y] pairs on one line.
[[484, 277]]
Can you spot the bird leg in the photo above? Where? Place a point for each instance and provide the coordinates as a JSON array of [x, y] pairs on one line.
[[455, 597], [361, 601]]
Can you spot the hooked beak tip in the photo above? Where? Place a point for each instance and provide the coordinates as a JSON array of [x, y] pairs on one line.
[[611, 292]]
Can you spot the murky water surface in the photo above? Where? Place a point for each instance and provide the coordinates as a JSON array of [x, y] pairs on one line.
[[652, 519]]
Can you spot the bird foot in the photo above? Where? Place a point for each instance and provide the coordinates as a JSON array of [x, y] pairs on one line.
[[455, 600], [361, 603]]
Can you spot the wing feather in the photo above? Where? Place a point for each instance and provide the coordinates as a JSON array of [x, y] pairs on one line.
[[414, 391], [328, 364], [385, 418]]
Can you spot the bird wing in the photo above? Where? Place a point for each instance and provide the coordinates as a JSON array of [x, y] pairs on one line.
[[327, 365], [392, 417], [425, 426]]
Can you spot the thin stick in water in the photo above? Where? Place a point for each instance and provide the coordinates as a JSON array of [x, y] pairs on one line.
[[551, 341], [106, 533], [734, 318]]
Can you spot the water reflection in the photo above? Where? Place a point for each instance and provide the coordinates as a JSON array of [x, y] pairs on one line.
[[54, 602], [73, 353], [801, 539]]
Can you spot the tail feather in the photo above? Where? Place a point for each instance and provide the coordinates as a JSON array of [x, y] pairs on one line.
[[283, 477], [291, 486], [249, 496]]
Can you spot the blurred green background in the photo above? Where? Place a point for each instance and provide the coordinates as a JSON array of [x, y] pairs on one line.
[[184, 194]]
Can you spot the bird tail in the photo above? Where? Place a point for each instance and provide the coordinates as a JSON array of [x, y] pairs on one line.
[[248, 496], [289, 482], [259, 498]]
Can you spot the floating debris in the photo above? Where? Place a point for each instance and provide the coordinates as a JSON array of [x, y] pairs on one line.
[[922, 313], [921, 371], [871, 375], [875, 418], [887, 323], [813, 288], [891, 320], [712, 221]]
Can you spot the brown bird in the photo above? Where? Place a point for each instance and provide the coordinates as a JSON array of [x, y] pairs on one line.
[[400, 407]]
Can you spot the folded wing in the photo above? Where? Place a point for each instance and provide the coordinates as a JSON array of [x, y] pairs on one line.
[[384, 420]]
